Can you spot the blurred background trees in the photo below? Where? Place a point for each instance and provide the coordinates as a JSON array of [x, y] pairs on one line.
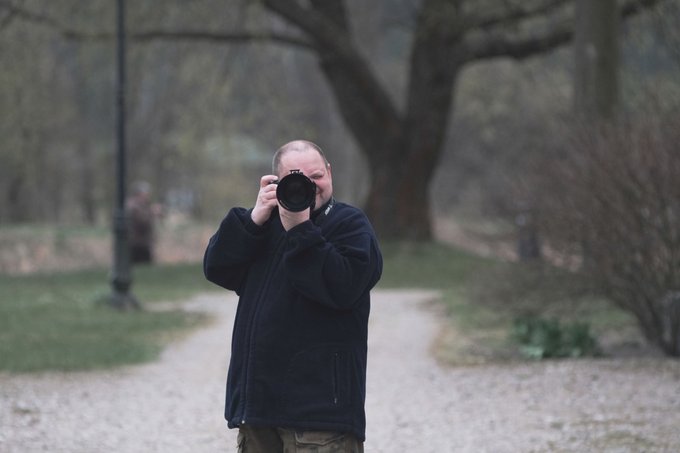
[[205, 115], [203, 120], [375, 83]]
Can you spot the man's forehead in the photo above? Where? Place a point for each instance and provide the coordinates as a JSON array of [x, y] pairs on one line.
[[307, 157]]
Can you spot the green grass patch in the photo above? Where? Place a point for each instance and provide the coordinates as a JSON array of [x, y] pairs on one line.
[[427, 265], [52, 321]]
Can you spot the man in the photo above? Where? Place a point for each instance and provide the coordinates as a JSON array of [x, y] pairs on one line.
[[297, 377], [140, 215]]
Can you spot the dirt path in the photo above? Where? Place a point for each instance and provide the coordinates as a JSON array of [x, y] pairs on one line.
[[413, 405]]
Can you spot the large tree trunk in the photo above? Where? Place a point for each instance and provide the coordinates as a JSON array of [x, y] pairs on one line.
[[596, 53], [398, 202], [403, 150]]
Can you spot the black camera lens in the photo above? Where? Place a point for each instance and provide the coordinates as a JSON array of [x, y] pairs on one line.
[[296, 192]]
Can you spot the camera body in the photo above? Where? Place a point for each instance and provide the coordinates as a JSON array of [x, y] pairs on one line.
[[296, 192]]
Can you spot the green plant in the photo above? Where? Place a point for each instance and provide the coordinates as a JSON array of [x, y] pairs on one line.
[[541, 338]]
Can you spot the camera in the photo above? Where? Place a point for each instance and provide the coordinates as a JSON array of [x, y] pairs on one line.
[[296, 192]]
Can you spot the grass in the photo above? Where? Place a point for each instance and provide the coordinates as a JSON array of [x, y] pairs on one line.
[[483, 297], [31, 231], [51, 321], [427, 265], [473, 331]]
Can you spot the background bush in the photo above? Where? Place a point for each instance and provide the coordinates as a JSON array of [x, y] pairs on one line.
[[610, 208]]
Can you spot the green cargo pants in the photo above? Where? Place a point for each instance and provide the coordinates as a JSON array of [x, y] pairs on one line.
[[278, 440]]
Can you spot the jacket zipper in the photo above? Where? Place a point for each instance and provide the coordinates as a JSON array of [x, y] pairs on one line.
[[336, 360]]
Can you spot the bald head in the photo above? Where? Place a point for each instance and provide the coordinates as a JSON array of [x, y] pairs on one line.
[[298, 146]]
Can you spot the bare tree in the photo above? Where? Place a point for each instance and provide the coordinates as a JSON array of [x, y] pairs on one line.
[[403, 145], [617, 190]]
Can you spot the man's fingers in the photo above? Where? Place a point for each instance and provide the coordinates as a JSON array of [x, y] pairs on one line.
[[267, 180]]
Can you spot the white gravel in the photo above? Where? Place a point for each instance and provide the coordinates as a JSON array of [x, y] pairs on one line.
[[413, 405]]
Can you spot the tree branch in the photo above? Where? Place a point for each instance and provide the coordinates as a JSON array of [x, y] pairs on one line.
[[501, 45], [632, 7], [20, 13], [154, 35], [498, 43], [326, 33], [362, 100], [514, 13], [233, 37]]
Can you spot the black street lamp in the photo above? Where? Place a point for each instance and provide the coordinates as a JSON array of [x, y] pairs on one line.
[[121, 278]]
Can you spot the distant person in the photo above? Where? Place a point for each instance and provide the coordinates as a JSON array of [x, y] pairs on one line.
[[141, 215], [297, 377]]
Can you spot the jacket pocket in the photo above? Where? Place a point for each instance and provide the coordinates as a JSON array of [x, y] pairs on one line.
[[318, 381]]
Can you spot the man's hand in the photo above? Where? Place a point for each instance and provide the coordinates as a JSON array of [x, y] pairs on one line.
[[290, 219], [266, 200]]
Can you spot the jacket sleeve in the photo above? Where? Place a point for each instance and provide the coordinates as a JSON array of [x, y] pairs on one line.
[[231, 250], [338, 271]]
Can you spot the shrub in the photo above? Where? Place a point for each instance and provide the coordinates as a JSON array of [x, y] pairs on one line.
[[541, 338], [612, 199]]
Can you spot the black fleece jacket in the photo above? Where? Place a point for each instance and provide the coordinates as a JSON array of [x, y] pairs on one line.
[[299, 344]]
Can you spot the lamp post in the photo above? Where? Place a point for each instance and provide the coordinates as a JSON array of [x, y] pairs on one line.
[[121, 277]]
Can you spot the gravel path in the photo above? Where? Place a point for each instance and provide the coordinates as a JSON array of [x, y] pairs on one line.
[[175, 405]]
